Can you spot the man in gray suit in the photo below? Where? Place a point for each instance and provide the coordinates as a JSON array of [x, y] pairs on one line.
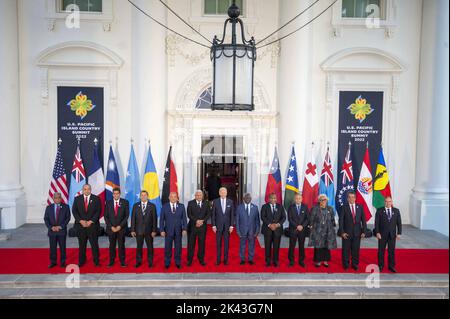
[[247, 227]]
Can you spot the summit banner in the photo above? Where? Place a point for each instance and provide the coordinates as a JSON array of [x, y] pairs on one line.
[[360, 122], [80, 117]]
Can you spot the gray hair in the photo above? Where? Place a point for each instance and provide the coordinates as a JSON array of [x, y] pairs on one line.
[[56, 193], [323, 196]]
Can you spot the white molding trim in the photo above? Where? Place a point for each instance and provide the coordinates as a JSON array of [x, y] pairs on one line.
[[66, 55], [55, 13], [389, 22]]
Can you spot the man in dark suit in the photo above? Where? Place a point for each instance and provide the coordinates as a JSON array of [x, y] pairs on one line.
[[222, 220], [144, 227], [173, 225], [388, 228], [86, 210], [352, 227], [198, 212], [116, 217], [298, 216], [56, 218], [273, 216], [248, 226]]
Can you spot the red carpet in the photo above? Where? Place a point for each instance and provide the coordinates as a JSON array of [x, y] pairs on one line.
[[35, 261]]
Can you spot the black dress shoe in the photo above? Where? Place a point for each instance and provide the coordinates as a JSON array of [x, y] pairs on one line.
[[242, 262], [123, 265], [267, 264], [203, 263], [150, 265], [179, 266], [326, 265], [189, 264], [392, 269], [217, 263], [225, 263], [251, 262], [275, 264], [355, 268], [301, 264], [291, 264], [317, 265], [51, 266], [80, 265], [380, 268], [137, 265], [97, 264], [110, 265], [345, 268], [166, 266], [63, 265]]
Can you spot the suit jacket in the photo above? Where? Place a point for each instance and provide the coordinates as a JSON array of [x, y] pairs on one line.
[[63, 219], [93, 211], [222, 220], [144, 223], [247, 225], [346, 224], [122, 215], [388, 229], [173, 223], [296, 219], [195, 213], [279, 217]]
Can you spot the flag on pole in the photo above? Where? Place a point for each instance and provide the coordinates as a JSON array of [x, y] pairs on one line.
[[382, 187], [274, 180], [326, 184], [58, 183], [112, 175], [291, 181], [150, 182], [170, 183], [364, 192], [311, 184], [78, 177], [96, 179], [346, 182], [132, 181]]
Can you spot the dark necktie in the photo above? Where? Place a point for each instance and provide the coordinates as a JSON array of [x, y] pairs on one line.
[[199, 204], [389, 214], [298, 210], [173, 209], [143, 208], [57, 214]]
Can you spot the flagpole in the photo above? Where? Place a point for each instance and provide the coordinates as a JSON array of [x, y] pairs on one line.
[[59, 142]]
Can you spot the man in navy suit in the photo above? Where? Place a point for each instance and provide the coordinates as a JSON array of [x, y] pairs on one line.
[[352, 227], [56, 218], [298, 216], [247, 227], [222, 220], [388, 228], [173, 225], [116, 218]]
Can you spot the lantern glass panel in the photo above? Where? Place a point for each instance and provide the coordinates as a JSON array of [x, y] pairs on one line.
[[224, 77]]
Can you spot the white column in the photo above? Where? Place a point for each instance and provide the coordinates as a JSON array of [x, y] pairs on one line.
[[430, 199], [294, 87], [10, 189], [149, 82]]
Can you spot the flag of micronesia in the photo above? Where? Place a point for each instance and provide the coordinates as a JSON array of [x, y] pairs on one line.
[[170, 183], [132, 181], [112, 175], [345, 182], [291, 181], [274, 180], [326, 184], [150, 182]]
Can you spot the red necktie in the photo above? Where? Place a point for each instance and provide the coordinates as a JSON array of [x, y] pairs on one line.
[[57, 214], [85, 204], [353, 214], [116, 209]]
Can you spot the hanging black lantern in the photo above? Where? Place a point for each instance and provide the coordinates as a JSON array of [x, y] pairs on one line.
[[233, 68]]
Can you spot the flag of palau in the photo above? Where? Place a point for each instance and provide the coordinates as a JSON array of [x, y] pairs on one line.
[[150, 182]]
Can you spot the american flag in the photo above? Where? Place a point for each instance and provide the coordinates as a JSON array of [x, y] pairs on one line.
[[58, 183]]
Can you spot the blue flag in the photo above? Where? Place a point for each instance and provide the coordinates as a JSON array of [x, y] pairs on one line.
[[132, 181], [77, 177], [112, 175], [326, 183], [150, 182], [345, 180]]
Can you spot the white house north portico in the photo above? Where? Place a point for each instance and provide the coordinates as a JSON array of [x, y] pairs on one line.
[[153, 80]]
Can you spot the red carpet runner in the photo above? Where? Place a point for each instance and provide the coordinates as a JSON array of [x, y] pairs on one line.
[[35, 261]]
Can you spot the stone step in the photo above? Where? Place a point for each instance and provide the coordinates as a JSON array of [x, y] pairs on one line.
[[219, 292], [222, 280]]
